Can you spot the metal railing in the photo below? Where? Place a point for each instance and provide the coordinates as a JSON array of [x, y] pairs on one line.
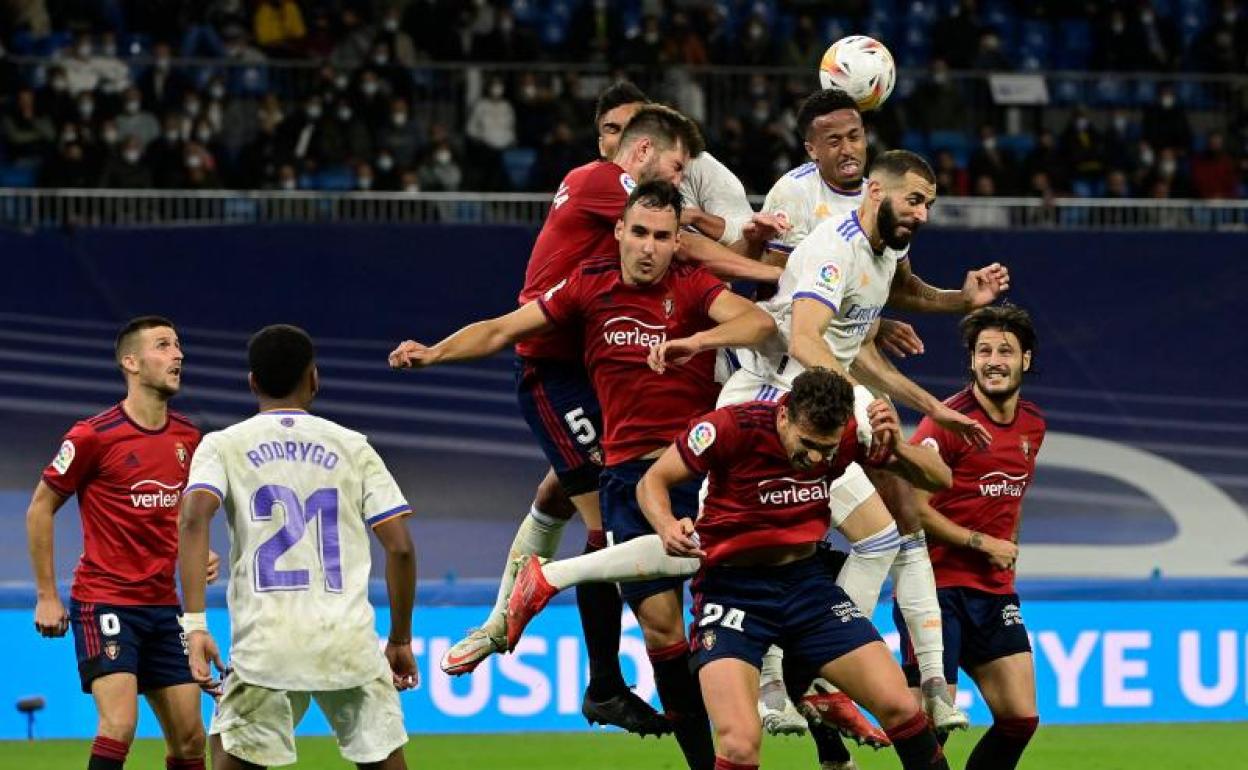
[[34, 209]]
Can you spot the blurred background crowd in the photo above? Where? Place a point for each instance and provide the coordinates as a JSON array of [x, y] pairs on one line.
[[373, 94]]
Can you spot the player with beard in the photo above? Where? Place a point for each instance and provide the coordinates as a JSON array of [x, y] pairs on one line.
[[128, 467], [974, 530]]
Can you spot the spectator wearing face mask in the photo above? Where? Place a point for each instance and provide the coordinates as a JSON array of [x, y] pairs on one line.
[[134, 120], [259, 161], [199, 168], [385, 172], [125, 169], [287, 178], [69, 165], [409, 182], [397, 79], [937, 104], [397, 42], [345, 138], [299, 135], [87, 69], [372, 99], [990, 160], [365, 180], [989, 57], [400, 134], [440, 172], [1082, 146], [1214, 171], [756, 48], [1166, 124], [491, 129]]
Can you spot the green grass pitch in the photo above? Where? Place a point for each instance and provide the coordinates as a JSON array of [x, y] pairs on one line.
[[1221, 746]]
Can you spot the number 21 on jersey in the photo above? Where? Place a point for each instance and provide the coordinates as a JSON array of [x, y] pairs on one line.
[[322, 505]]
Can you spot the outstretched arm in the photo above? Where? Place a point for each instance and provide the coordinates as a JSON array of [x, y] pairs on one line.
[[723, 261], [981, 287], [920, 466], [876, 371], [478, 340]]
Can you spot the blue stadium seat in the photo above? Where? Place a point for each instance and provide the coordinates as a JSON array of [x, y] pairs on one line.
[[918, 10], [19, 176], [54, 42], [905, 86], [1066, 90], [1019, 144], [956, 142], [1144, 92], [334, 178], [518, 162], [835, 28], [914, 141], [1192, 95], [1083, 188], [1110, 92], [22, 43]]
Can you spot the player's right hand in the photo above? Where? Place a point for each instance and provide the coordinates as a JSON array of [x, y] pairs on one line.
[[410, 355], [678, 540], [1002, 554], [764, 227], [966, 427], [885, 428], [203, 654], [51, 618], [403, 671], [675, 352], [898, 338]]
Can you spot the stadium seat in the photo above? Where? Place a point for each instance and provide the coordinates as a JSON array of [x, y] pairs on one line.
[[914, 141], [1066, 90], [518, 162], [55, 41], [1144, 92], [22, 43], [1109, 92], [1019, 144], [19, 176], [335, 178], [956, 142]]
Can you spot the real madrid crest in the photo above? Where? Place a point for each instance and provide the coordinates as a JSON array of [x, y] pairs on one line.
[[180, 451]]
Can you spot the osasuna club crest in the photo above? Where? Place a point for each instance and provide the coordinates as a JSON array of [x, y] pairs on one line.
[[180, 451], [708, 639], [669, 305], [1026, 446], [112, 650]]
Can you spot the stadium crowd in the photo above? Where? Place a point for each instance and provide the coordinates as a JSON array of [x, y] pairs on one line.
[[334, 94]]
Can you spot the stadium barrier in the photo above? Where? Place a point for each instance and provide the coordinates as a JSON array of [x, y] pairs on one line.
[[30, 209], [1114, 659]]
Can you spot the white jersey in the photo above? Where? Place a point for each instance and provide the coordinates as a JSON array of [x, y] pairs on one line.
[[806, 200], [300, 493], [712, 187], [834, 265]]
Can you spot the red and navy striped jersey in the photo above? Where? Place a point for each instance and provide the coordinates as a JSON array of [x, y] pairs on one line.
[[755, 497], [129, 482], [580, 225], [641, 409], [987, 491]]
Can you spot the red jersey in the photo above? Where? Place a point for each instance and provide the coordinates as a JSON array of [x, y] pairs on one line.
[[987, 491], [755, 497], [129, 482], [581, 224], [641, 409]]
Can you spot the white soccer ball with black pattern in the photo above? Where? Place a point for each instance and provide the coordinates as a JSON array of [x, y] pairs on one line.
[[862, 67]]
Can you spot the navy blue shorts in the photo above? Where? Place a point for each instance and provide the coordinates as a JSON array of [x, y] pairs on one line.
[[741, 611], [559, 404], [143, 640], [977, 627], [623, 520]]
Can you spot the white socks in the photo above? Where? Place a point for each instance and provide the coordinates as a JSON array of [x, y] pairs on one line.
[[915, 587], [538, 534], [869, 560], [642, 558]]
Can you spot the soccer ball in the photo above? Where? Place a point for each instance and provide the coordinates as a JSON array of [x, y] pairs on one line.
[[861, 67]]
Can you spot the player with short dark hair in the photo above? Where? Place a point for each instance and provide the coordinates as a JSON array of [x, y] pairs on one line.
[[974, 531], [622, 305], [128, 467], [769, 468], [302, 627]]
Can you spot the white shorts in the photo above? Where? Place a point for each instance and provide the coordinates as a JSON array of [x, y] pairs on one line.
[[257, 724], [745, 385]]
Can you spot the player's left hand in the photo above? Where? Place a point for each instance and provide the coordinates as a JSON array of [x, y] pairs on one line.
[[885, 429], [983, 286], [203, 654], [410, 355], [402, 662], [675, 352], [898, 338], [966, 427], [214, 566]]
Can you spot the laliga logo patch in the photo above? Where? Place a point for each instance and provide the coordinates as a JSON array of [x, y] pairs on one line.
[[829, 274], [180, 451], [701, 437], [930, 443], [627, 183], [64, 457]]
